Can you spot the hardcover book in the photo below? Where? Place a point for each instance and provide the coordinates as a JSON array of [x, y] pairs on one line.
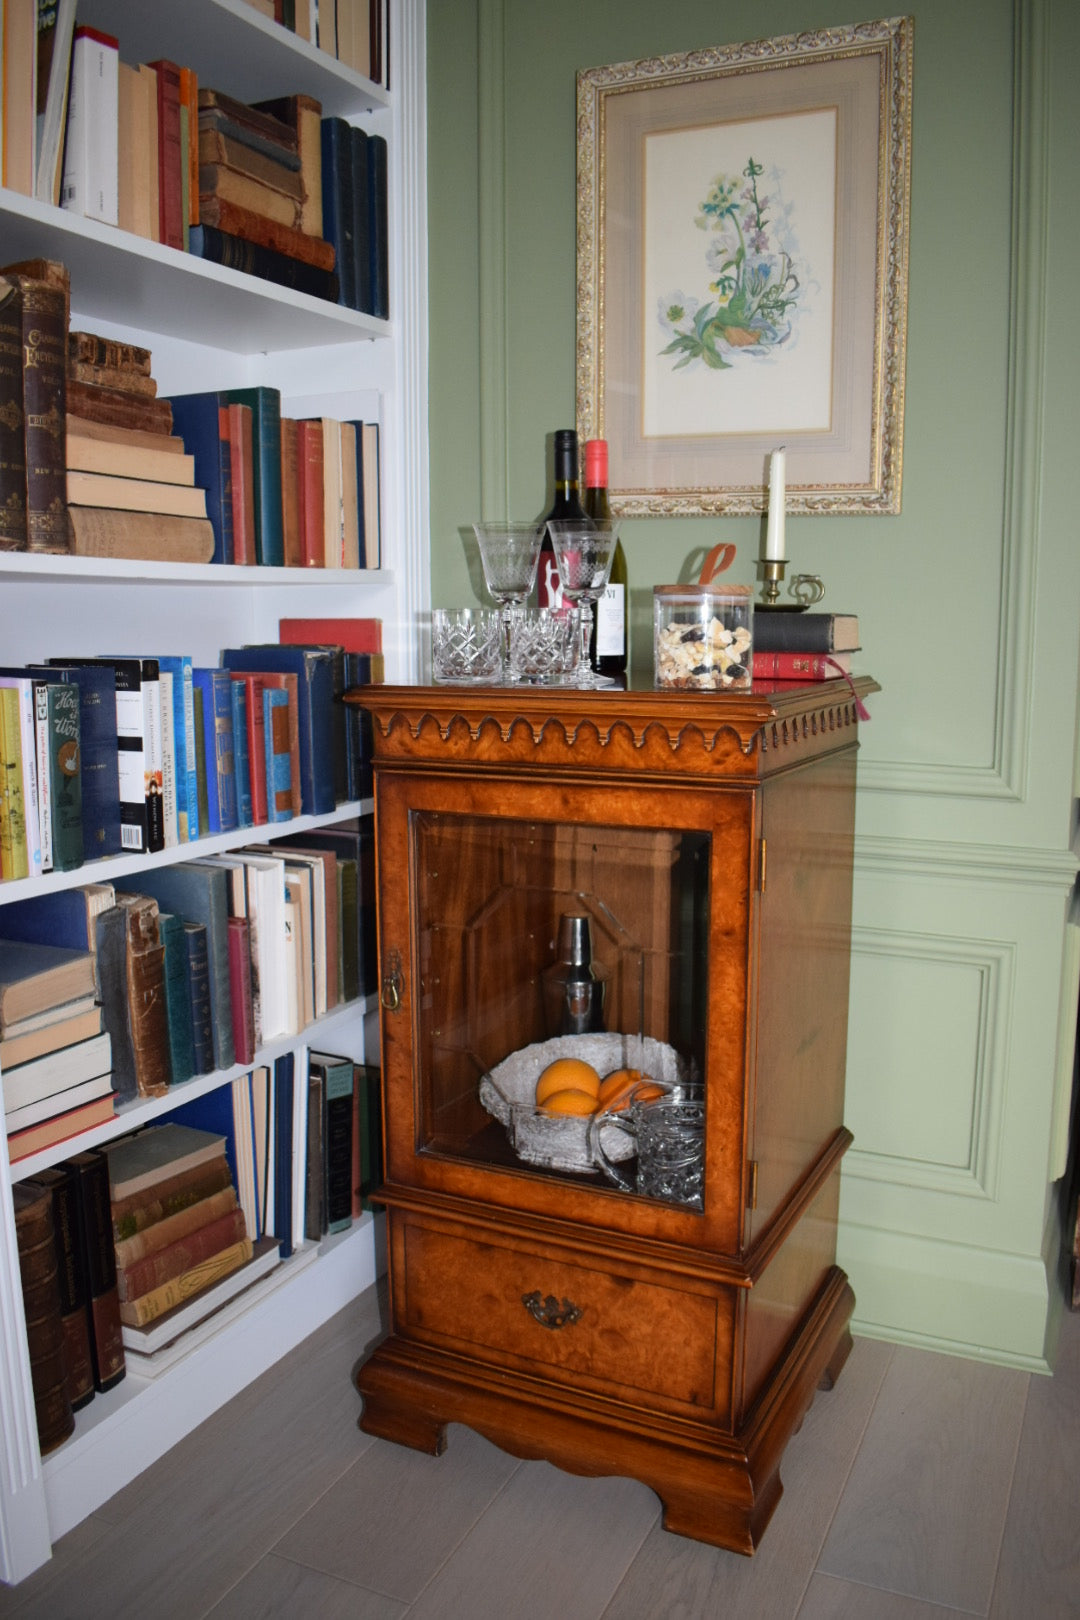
[[52, 1074], [177, 999], [98, 753], [145, 965], [168, 1229], [216, 688], [60, 1183], [150, 1157], [313, 667], [34, 977], [339, 225], [99, 1262], [59, 760], [196, 418], [140, 1277], [43, 309], [110, 929], [140, 1211], [42, 1310], [337, 1076], [105, 531], [13, 531], [91, 159], [806, 632], [198, 988], [265, 406], [59, 1128]]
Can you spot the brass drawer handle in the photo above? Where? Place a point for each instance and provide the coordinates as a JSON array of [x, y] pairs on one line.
[[550, 1312]]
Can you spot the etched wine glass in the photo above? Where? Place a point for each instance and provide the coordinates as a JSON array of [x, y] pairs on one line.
[[509, 552], [584, 548]]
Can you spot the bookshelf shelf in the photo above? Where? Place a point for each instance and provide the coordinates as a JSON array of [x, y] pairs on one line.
[[126, 279], [49, 569], [211, 327]]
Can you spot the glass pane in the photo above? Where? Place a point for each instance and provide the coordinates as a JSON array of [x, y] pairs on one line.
[[543, 942]]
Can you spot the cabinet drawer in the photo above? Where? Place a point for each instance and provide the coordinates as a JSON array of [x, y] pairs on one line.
[[633, 1335]]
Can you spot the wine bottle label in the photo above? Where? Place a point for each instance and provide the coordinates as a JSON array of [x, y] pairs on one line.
[[549, 591], [610, 622]]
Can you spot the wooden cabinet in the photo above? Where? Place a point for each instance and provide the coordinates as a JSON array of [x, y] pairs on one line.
[[708, 841], [208, 326]]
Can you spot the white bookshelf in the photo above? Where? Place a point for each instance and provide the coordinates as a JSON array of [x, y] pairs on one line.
[[211, 327]]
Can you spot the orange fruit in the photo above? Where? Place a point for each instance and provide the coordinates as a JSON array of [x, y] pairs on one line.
[[567, 1074], [647, 1092], [619, 1089], [569, 1101]]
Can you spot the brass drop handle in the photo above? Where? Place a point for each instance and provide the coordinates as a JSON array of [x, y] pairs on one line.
[[393, 984], [550, 1312]]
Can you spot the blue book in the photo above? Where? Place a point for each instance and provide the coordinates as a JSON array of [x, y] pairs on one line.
[[378, 246], [283, 1152], [241, 761], [278, 756], [198, 989], [177, 999], [198, 892], [216, 689], [98, 749], [183, 724], [266, 455], [197, 419], [337, 201], [57, 917], [337, 1075], [313, 667], [361, 172]]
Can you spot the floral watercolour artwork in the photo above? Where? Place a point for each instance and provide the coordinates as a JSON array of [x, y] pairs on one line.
[[742, 250]]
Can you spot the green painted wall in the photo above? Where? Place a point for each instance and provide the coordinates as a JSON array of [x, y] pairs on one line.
[[958, 1075]]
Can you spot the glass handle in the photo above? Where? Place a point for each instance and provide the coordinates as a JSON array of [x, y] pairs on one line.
[[393, 984], [551, 1312]]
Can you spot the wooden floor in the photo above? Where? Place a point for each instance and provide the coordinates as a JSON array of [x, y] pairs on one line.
[[922, 1485]]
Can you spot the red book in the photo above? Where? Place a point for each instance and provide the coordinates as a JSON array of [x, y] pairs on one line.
[[154, 1269], [289, 683], [799, 666], [290, 493], [243, 1010], [235, 425], [171, 157], [309, 484], [253, 683], [354, 635], [61, 1127]]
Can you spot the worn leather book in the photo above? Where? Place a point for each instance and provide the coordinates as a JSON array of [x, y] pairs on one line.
[[218, 150], [43, 307], [168, 1229], [217, 181], [99, 1259], [146, 994], [139, 1277], [253, 227], [238, 429], [137, 1212], [148, 1307], [41, 1303], [119, 406], [13, 532], [255, 259], [61, 1184], [88, 348], [177, 1000], [304, 115], [171, 158]]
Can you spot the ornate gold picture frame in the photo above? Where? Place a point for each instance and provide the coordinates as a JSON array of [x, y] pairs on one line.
[[742, 255]]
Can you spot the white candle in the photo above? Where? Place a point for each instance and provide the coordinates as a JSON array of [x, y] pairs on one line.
[[774, 536]]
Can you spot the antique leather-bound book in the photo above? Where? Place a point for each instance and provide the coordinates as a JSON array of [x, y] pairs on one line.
[[41, 1302]]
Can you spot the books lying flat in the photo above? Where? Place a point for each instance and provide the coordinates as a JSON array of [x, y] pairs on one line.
[[806, 632], [60, 1102], [148, 1307], [166, 1329], [56, 1071], [106, 531], [76, 1021], [149, 1156], [135, 494], [60, 1128], [793, 666], [89, 454], [35, 977]]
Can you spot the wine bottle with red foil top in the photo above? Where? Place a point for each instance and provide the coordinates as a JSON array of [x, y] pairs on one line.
[[609, 641], [567, 504]]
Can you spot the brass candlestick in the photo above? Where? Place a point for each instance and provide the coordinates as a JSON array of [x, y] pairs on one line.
[[773, 569]]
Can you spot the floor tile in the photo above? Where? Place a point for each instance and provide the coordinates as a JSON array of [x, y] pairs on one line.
[[552, 1546], [924, 1510], [830, 1599], [674, 1577], [279, 1590], [1039, 1568], [391, 1521]]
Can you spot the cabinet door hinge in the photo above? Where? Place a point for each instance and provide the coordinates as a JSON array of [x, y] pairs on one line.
[[751, 1184], [762, 850]]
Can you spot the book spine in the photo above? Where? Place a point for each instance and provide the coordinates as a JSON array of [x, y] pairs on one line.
[[146, 1000], [110, 932], [118, 407], [99, 1260], [378, 229], [360, 170], [235, 220], [290, 493], [65, 775], [243, 1012], [241, 756], [793, 666], [137, 1312], [38, 1274], [218, 150], [137, 1212], [13, 529], [242, 464], [198, 985], [202, 798], [265, 406], [90, 182], [177, 1003], [279, 793], [43, 758], [254, 259], [171, 157], [309, 475], [14, 860], [197, 418], [152, 755], [169, 805], [796, 632], [171, 1228], [44, 340], [100, 782], [102, 531], [338, 1145], [91, 349], [337, 204], [201, 1244], [255, 726], [78, 1362], [215, 180]]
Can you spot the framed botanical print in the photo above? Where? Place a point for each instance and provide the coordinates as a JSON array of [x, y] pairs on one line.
[[742, 242]]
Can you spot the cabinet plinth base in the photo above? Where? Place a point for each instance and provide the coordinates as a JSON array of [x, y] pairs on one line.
[[716, 1485]]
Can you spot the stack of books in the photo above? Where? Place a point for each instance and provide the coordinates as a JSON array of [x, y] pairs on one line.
[[55, 1055], [802, 647], [131, 487], [177, 1225]]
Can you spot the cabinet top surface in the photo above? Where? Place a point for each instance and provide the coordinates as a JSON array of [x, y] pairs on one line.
[[745, 732]]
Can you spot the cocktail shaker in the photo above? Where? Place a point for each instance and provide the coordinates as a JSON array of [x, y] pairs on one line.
[[573, 985]]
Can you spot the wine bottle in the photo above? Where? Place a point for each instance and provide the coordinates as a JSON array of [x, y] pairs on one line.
[[567, 504], [609, 640]]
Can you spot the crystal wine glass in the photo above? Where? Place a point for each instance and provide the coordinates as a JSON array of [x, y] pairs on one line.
[[583, 551], [509, 552]]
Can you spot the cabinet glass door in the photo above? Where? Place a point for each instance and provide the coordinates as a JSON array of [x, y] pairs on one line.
[[573, 956]]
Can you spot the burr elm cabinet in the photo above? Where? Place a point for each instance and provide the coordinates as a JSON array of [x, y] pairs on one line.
[[707, 839]]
